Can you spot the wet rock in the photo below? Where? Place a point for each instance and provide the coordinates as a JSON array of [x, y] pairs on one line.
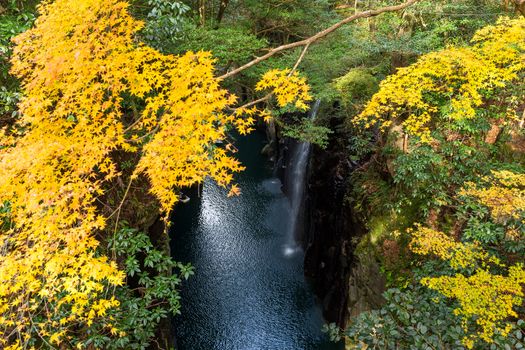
[[347, 281], [268, 150], [328, 251]]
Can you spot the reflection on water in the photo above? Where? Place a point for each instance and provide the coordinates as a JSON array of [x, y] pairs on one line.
[[249, 291]]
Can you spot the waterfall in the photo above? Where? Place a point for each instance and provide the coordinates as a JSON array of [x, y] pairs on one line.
[[297, 178]]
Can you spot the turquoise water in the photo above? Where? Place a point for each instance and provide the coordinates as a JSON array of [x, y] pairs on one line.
[[248, 292]]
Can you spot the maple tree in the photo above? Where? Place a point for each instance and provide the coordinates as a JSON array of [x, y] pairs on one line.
[[486, 298], [451, 102], [447, 86], [78, 67]]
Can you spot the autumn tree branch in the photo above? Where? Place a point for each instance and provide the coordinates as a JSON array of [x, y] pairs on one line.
[[320, 35], [268, 96]]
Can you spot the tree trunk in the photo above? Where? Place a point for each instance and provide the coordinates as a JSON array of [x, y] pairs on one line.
[[222, 10], [202, 12]]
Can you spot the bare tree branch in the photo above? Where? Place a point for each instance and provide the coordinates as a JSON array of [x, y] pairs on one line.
[[300, 59], [320, 35], [268, 96], [252, 103]]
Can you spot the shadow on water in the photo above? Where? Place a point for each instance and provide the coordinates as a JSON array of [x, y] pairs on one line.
[[247, 294]]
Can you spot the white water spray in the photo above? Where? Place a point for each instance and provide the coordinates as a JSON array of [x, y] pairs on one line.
[[298, 172]]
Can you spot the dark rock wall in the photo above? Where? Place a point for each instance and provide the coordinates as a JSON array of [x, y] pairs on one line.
[[330, 228]]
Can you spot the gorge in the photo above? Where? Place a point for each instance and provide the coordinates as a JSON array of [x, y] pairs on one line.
[[249, 291]]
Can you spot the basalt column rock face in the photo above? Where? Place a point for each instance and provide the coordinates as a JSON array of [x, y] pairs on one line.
[[328, 240], [345, 272]]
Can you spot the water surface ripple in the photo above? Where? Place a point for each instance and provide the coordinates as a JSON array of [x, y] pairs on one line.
[[247, 294]]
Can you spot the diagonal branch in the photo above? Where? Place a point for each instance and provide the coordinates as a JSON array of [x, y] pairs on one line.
[[300, 58], [320, 35], [252, 103]]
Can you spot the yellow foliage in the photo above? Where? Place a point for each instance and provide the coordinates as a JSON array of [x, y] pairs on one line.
[[459, 75], [76, 67], [426, 241], [266, 115], [504, 194], [288, 87], [487, 298], [15, 346]]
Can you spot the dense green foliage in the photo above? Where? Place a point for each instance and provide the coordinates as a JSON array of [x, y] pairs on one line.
[[246, 29], [152, 274], [415, 318]]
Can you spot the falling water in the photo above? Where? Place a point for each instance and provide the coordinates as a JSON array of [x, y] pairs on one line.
[[297, 178]]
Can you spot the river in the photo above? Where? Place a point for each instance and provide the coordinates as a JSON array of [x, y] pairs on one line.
[[249, 291]]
